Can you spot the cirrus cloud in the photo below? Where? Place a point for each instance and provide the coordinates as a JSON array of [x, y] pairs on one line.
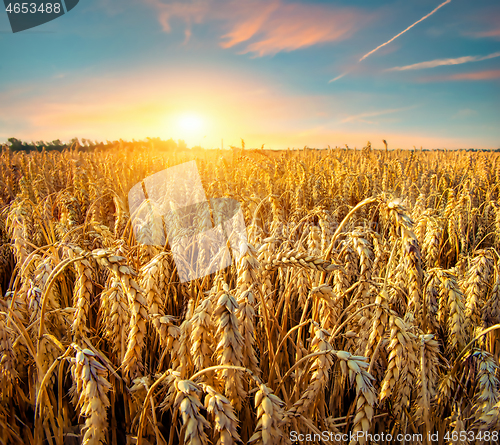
[[477, 75], [265, 27], [443, 62], [480, 34], [361, 117]]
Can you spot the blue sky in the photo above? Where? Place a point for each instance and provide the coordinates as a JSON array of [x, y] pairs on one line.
[[261, 70]]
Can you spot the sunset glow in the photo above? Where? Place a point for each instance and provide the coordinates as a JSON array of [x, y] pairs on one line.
[[191, 127], [279, 73], [191, 123]]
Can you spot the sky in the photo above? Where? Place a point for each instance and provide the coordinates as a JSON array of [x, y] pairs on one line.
[[278, 73]]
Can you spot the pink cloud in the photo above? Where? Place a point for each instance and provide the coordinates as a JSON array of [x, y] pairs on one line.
[[267, 27], [250, 25], [293, 26], [477, 75], [491, 33]]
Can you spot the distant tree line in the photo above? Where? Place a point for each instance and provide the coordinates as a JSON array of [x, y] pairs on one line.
[[150, 143], [88, 145]]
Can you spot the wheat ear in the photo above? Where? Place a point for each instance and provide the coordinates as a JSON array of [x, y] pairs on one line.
[[91, 388]]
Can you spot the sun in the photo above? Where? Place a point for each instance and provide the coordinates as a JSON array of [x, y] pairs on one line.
[[190, 126], [190, 123]]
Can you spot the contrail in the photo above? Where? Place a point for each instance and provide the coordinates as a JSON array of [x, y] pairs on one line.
[[402, 32], [338, 77], [389, 41]]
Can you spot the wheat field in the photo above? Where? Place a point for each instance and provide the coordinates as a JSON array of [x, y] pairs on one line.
[[365, 310]]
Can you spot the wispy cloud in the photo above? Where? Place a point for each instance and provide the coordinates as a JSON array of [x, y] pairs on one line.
[[247, 27], [483, 22], [292, 26], [402, 32], [480, 34], [464, 113], [361, 117], [443, 62], [265, 27], [189, 12], [477, 75]]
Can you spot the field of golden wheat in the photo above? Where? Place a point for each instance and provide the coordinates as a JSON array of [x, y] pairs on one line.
[[365, 310]]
